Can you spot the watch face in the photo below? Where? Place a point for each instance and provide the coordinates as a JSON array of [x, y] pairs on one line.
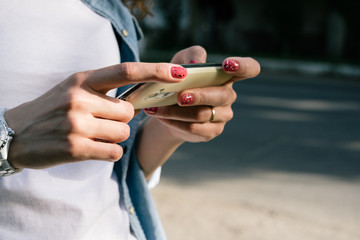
[[3, 135]]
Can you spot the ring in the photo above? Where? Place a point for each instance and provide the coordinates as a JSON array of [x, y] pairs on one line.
[[212, 114]]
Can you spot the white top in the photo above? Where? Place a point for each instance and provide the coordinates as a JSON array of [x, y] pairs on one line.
[[42, 42]]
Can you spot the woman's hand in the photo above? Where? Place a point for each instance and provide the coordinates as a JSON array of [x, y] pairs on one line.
[[76, 121], [200, 115]]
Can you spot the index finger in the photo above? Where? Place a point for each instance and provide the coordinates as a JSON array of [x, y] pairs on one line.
[[104, 79], [241, 67]]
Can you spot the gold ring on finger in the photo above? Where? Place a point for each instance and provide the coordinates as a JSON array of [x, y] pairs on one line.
[[212, 117]]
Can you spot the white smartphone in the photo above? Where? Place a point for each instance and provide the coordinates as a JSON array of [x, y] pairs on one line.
[[145, 95]]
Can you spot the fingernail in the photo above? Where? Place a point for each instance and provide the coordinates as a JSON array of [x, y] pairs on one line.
[[193, 62], [187, 99], [178, 72], [231, 65], [151, 110]]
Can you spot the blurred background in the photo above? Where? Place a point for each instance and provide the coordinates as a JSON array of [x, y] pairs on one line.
[[317, 29], [288, 165]]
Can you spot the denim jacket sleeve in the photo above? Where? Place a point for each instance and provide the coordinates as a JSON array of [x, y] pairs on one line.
[[144, 219]]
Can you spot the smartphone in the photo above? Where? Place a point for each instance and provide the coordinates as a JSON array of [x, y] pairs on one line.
[[145, 95]]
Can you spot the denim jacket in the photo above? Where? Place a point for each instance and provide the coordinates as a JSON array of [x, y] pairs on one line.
[[144, 219]]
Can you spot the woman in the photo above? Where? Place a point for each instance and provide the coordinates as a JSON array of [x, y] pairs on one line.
[[53, 191]]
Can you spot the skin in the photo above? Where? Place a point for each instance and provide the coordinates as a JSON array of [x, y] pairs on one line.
[[171, 126], [75, 121]]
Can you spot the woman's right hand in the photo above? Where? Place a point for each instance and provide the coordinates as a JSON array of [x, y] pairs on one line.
[[76, 121]]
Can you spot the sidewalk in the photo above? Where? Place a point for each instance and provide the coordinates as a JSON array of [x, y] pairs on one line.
[[286, 167]]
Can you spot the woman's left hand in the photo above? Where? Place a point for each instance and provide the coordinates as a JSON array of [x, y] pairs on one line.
[[201, 113]]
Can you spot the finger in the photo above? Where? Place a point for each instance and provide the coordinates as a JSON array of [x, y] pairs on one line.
[[199, 114], [99, 105], [212, 96], [241, 67], [108, 131], [194, 54], [107, 107], [86, 149], [104, 79], [97, 128]]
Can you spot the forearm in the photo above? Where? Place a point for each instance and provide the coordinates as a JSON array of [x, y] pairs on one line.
[[154, 146]]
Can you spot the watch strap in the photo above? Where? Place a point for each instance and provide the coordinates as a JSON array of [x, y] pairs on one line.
[[5, 167]]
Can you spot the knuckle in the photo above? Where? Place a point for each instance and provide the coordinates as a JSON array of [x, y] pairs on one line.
[[77, 79], [219, 130], [160, 70], [230, 115], [124, 132], [227, 96], [198, 50], [121, 132], [233, 95], [74, 151], [213, 133], [128, 70], [115, 153], [128, 111], [74, 100], [224, 98], [74, 123], [192, 128], [201, 116], [200, 98]]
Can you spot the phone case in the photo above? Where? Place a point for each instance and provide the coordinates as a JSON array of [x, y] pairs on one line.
[[145, 95]]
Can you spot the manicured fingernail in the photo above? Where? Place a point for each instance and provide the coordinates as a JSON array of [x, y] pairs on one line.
[[231, 65], [193, 62], [178, 72], [151, 110], [187, 99]]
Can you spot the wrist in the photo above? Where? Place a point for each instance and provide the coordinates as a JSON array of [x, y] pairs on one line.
[[170, 136], [155, 145]]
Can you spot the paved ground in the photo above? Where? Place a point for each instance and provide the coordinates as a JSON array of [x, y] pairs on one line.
[[287, 167]]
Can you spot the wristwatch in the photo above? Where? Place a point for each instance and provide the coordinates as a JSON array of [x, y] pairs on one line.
[[6, 135]]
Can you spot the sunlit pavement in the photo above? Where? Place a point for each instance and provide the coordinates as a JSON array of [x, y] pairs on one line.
[[286, 167]]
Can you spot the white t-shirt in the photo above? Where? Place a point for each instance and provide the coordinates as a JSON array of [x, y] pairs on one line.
[[42, 42]]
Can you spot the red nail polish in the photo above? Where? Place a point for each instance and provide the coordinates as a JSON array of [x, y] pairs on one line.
[[178, 72], [231, 65], [151, 110], [193, 62], [187, 99]]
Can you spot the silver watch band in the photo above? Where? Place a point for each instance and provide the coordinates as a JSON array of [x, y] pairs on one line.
[[6, 169], [6, 136]]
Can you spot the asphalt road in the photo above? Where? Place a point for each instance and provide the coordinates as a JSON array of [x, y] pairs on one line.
[[286, 167]]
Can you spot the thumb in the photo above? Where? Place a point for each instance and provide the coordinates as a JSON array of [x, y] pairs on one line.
[[194, 54], [104, 79]]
